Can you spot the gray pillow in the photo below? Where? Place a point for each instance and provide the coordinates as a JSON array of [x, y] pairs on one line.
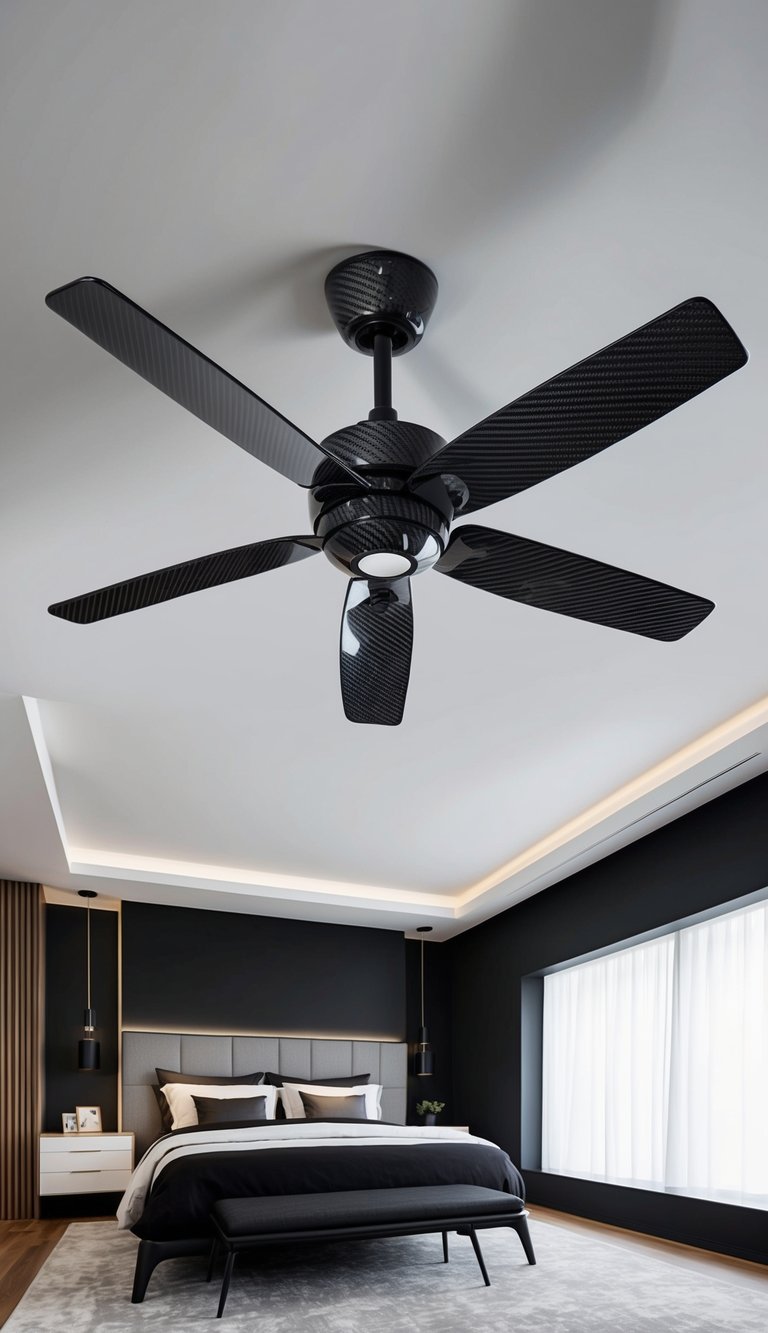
[[348, 1108], [226, 1110], [176, 1076]]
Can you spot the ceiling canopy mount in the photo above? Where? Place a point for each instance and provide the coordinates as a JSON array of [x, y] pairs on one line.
[[381, 293]]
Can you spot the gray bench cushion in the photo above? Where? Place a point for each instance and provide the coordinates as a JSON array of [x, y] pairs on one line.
[[238, 1218]]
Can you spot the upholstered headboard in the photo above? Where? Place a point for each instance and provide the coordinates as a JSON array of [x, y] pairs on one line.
[[299, 1057]]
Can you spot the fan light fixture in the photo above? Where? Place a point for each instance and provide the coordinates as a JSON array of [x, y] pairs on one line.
[[385, 565], [88, 1048], [424, 1064]]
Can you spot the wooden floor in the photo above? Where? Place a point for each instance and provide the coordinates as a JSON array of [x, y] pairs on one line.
[[25, 1246]]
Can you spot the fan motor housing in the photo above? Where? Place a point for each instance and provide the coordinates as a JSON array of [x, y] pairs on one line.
[[378, 524], [390, 448], [385, 519]]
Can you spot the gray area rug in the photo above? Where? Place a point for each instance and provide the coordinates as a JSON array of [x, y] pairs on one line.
[[387, 1286]]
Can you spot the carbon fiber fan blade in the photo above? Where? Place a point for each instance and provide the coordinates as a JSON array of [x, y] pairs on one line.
[[160, 356], [585, 409], [376, 643], [571, 585], [162, 585]]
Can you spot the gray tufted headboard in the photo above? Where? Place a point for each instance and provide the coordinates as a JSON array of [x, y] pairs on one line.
[[299, 1057]]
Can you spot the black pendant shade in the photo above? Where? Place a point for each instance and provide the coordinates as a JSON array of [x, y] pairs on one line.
[[88, 1053], [88, 1048], [424, 1064], [424, 1060]]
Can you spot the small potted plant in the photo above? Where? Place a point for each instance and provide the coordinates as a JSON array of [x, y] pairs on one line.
[[429, 1111]]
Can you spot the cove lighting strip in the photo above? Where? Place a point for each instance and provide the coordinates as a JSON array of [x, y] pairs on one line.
[[154, 869], [154, 1031], [448, 907], [704, 747]]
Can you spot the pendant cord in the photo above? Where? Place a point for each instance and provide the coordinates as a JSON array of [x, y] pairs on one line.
[[88, 945], [422, 983]]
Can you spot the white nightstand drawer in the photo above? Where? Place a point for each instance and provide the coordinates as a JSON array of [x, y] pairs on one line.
[[77, 1143], [85, 1163], [82, 1181], [119, 1160]]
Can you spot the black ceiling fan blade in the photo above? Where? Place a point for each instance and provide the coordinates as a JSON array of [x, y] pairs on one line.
[[163, 585], [191, 379], [571, 585], [592, 405], [376, 644]]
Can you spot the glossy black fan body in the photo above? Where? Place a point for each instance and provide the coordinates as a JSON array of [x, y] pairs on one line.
[[383, 493]]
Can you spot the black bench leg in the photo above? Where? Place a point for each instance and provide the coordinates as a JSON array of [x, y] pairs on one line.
[[212, 1258], [445, 1247], [225, 1284], [479, 1254], [147, 1259], [521, 1227]]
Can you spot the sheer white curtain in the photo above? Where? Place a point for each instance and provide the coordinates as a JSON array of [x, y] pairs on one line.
[[718, 1111], [656, 1061], [606, 1061]]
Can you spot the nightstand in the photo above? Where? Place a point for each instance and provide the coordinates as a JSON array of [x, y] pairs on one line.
[[85, 1163]]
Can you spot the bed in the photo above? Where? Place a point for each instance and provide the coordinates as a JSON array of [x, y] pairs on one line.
[[182, 1174]]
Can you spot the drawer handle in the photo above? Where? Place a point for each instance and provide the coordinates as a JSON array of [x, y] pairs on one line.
[[85, 1171], [86, 1150]]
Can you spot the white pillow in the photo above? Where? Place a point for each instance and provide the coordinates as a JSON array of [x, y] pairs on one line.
[[294, 1106], [184, 1112]]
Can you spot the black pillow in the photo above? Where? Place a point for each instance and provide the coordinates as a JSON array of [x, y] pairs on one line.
[[321, 1107], [354, 1080], [226, 1110], [164, 1108], [176, 1076]]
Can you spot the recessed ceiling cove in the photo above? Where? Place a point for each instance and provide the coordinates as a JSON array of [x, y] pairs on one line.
[[568, 173]]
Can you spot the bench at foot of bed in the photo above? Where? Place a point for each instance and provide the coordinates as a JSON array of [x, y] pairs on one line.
[[243, 1224]]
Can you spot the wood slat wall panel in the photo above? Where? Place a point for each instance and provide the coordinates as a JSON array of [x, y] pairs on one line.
[[21, 1039]]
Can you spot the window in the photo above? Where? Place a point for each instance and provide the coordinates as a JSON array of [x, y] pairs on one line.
[[655, 1062]]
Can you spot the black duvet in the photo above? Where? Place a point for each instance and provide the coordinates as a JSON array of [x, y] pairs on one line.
[[181, 1197]]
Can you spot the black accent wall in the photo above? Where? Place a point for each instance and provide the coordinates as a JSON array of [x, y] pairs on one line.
[[713, 855], [65, 998], [198, 970]]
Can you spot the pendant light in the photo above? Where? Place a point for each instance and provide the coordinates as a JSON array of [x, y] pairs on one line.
[[88, 1048], [424, 1064]]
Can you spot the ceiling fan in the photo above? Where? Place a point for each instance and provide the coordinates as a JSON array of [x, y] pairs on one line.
[[383, 493]]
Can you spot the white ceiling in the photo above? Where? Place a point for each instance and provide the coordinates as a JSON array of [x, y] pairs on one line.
[[569, 171]]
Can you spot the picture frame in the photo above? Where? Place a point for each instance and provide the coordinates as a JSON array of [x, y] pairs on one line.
[[88, 1119], [69, 1122]]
